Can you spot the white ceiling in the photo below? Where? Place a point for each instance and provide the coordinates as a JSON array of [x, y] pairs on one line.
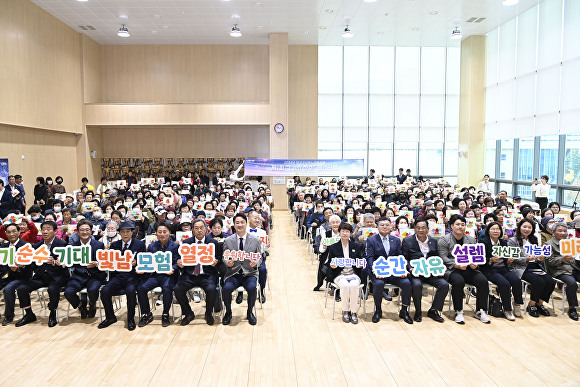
[[384, 22]]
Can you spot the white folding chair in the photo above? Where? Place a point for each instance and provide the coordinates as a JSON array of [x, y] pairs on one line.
[[335, 287]]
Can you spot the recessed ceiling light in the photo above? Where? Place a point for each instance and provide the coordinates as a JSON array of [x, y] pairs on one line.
[[166, 27], [328, 10], [433, 13], [82, 1], [258, 4], [157, 16], [123, 32], [380, 33], [259, 27], [322, 27], [369, 1], [414, 28], [123, 17], [305, 32], [153, 32], [509, 2]]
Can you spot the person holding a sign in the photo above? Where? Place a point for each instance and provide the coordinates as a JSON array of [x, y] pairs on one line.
[[348, 278], [253, 228], [122, 282], [497, 271], [564, 267], [50, 274], [89, 277], [419, 246], [166, 281], [17, 274], [458, 274], [241, 272], [320, 248], [382, 246], [201, 275], [530, 268]]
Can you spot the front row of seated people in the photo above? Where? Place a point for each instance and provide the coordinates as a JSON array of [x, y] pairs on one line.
[[506, 274], [23, 280]]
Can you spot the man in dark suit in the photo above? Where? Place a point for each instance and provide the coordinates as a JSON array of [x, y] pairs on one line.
[[204, 276], [122, 282], [401, 177], [166, 281], [17, 275], [385, 245], [6, 200], [241, 273], [17, 193], [50, 274], [321, 249], [418, 246], [89, 277]]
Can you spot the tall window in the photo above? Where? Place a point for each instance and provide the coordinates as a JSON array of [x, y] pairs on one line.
[[395, 107], [532, 104]]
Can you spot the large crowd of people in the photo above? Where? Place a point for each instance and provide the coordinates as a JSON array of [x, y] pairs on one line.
[[377, 217], [146, 215]]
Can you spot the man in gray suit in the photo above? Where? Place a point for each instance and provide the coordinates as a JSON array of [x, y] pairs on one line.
[[459, 275], [241, 273]]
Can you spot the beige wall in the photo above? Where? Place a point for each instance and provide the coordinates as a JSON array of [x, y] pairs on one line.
[[185, 74], [192, 141], [472, 112], [92, 77], [40, 69], [303, 102], [46, 153]]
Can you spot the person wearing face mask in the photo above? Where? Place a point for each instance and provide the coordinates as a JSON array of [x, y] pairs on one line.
[[35, 213], [58, 188], [50, 186], [111, 234], [98, 219], [40, 192]]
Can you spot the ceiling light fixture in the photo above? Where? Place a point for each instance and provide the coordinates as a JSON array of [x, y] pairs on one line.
[[507, 3], [328, 10], [235, 32], [123, 32], [414, 28], [433, 13], [322, 27], [369, 1], [347, 33], [456, 34], [82, 1]]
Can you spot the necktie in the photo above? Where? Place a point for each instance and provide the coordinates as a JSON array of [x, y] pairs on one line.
[[241, 249], [197, 268], [386, 245], [124, 247]]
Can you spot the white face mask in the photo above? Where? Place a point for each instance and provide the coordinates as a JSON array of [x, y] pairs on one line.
[[57, 209], [35, 217], [111, 234], [49, 182], [171, 216], [97, 215]]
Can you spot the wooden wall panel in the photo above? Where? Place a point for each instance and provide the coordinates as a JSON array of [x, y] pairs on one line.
[[46, 153], [190, 141], [303, 102], [185, 74], [91, 70], [40, 69]]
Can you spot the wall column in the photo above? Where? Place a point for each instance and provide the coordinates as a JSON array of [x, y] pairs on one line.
[[472, 112], [279, 108]]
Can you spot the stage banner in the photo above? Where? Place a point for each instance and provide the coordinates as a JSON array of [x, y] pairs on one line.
[[305, 167], [4, 171]]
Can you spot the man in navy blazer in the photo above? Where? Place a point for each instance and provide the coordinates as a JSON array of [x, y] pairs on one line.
[[418, 246], [377, 246], [89, 277], [17, 275], [50, 274], [166, 281], [204, 276], [122, 282]]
